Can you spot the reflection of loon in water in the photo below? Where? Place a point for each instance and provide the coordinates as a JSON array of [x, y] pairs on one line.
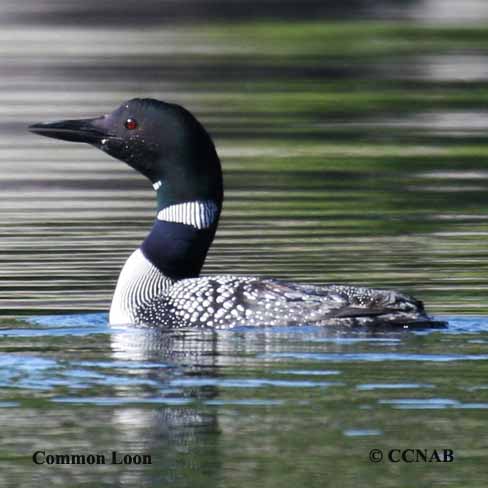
[[159, 284]]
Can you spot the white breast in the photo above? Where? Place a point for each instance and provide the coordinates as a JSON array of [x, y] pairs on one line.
[[139, 283]]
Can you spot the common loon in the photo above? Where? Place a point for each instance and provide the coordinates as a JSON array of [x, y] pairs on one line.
[[160, 284]]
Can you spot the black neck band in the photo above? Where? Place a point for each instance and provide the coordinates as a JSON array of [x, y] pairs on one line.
[[177, 250]]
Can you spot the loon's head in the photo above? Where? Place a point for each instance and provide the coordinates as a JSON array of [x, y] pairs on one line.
[[163, 141]]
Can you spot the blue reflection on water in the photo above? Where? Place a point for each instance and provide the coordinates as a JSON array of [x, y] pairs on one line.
[[362, 432], [251, 383], [61, 325], [144, 365], [392, 386], [376, 357], [431, 403]]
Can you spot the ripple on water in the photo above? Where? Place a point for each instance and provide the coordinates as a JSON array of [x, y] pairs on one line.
[[116, 401], [374, 357], [308, 372], [250, 383], [357, 340], [254, 402], [392, 386], [60, 325], [460, 325], [145, 369], [69, 320], [431, 404], [9, 404], [362, 432], [27, 372]]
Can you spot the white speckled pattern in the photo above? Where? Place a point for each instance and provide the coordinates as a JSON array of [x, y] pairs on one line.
[[229, 301]]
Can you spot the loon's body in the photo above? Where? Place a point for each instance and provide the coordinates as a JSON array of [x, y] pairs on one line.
[[145, 295], [160, 283]]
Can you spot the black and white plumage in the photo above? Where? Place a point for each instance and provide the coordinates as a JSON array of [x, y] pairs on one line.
[[144, 295], [229, 301], [200, 215], [160, 283]]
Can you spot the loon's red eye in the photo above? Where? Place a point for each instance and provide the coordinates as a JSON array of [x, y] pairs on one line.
[[131, 123]]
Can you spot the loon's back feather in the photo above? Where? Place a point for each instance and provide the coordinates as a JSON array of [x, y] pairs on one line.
[[230, 301]]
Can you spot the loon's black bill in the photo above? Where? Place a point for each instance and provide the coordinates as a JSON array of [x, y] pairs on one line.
[[83, 130]]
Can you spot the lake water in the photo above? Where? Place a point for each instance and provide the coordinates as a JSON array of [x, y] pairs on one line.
[[354, 151]]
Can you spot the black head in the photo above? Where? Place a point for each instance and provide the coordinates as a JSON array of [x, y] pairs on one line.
[[162, 141]]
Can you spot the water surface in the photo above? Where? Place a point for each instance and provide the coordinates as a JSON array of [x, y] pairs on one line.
[[353, 143]]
